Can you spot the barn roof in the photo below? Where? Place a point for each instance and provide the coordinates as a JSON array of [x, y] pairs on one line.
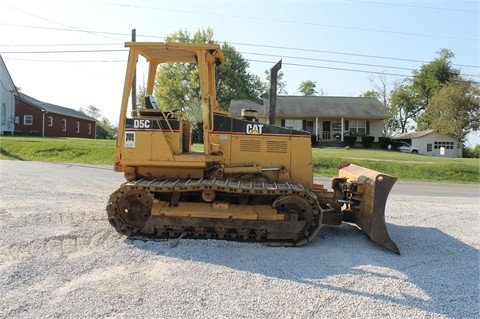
[[410, 135], [52, 108]]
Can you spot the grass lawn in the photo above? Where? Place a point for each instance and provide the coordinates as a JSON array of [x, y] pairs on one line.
[[69, 150], [406, 167]]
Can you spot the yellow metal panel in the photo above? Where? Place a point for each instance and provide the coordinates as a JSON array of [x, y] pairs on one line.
[[142, 148], [266, 151], [174, 52], [168, 172], [301, 169], [197, 158], [224, 140], [208, 210]]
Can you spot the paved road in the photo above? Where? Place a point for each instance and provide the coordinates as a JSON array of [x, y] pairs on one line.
[[421, 189]]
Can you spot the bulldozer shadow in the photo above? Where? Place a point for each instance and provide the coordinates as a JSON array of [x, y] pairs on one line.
[[436, 272]]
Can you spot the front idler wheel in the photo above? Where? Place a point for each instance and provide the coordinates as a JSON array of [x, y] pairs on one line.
[[296, 209]]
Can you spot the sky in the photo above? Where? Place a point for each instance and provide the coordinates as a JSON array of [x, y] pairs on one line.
[[71, 52]]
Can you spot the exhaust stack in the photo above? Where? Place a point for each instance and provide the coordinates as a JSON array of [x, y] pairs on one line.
[[272, 99]]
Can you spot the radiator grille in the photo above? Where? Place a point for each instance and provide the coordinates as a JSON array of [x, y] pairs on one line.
[[250, 146], [277, 147]]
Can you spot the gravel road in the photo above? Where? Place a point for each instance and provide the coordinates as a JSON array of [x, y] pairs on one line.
[[59, 258]]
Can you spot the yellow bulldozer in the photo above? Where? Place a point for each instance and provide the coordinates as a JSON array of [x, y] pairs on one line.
[[252, 181]]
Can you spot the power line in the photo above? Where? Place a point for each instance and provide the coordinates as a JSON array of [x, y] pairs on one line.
[[242, 44], [61, 44], [331, 61], [248, 53], [51, 21], [267, 62], [63, 29], [67, 61], [64, 51], [343, 53], [294, 22], [385, 3], [332, 68]]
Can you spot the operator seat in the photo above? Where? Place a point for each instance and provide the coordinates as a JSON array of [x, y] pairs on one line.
[[150, 102]]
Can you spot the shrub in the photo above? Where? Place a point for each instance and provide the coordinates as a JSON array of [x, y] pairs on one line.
[[350, 140], [367, 141], [384, 142], [473, 152]]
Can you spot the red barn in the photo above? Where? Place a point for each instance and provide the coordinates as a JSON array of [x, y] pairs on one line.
[[34, 117]]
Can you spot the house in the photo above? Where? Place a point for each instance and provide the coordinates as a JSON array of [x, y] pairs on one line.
[[8, 92], [329, 118], [34, 117], [429, 142]]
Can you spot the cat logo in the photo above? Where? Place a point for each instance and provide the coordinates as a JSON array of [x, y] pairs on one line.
[[255, 129]]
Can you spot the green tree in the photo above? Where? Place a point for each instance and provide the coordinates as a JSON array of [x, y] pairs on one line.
[[91, 111], [370, 93], [404, 106], [177, 85], [141, 92], [410, 99], [233, 79], [454, 110], [433, 76], [383, 90], [389, 125], [105, 129], [307, 88]]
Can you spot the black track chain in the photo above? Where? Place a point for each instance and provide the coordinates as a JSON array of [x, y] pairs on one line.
[[217, 185]]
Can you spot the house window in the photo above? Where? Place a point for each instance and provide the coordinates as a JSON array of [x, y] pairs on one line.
[[336, 126], [294, 124], [64, 125], [89, 129], [4, 114], [28, 120], [429, 147], [50, 121], [78, 126], [446, 145], [358, 127]]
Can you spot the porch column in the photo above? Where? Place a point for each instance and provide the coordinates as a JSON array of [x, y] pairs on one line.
[[343, 129], [316, 127], [43, 122]]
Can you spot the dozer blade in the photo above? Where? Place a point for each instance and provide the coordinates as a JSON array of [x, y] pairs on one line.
[[370, 190]]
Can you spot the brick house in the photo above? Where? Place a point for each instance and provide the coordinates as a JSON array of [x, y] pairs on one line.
[[328, 118], [34, 117]]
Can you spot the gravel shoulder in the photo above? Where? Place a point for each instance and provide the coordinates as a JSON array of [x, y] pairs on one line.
[[61, 259]]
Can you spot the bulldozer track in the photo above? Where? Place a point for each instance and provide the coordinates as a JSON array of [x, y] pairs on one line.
[[225, 228]]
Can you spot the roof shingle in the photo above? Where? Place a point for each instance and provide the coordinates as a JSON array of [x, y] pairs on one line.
[[54, 108], [322, 106]]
